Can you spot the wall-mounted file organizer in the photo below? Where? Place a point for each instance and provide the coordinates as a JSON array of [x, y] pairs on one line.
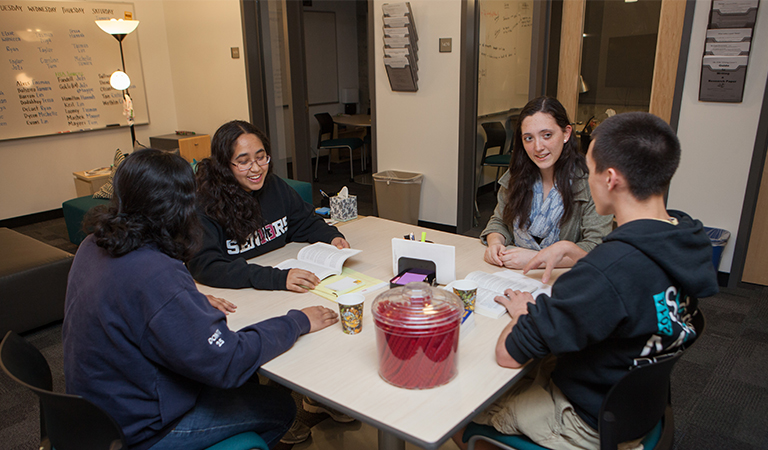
[[401, 47], [726, 50]]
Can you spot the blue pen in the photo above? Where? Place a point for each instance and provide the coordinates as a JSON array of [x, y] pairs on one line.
[[324, 194]]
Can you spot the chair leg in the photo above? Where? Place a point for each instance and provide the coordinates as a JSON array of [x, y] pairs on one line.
[[317, 163], [351, 166]]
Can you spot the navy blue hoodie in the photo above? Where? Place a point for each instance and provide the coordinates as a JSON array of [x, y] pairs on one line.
[[626, 302], [221, 262], [140, 340]]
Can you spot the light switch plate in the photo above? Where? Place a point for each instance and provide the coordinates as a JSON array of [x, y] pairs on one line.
[[235, 52], [445, 45]]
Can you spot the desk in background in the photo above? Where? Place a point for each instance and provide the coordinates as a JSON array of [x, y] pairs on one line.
[[341, 370], [359, 121]]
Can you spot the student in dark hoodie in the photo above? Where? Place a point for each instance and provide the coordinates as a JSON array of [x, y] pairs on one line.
[[142, 343], [247, 211], [626, 303]]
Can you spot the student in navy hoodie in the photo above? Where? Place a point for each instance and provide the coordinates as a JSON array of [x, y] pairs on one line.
[[145, 345], [247, 211], [628, 302]]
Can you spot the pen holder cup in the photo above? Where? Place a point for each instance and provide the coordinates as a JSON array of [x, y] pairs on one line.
[[417, 335], [343, 209]]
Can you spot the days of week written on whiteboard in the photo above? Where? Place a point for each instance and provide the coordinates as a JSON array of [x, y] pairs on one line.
[[55, 65]]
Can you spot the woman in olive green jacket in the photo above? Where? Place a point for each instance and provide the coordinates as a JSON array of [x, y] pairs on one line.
[[544, 197]]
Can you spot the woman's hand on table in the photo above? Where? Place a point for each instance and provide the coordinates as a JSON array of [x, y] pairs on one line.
[[340, 242], [222, 305], [300, 280], [516, 257], [320, 317], [495, 247]]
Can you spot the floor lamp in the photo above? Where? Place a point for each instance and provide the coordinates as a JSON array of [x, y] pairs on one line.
[[119, 80]]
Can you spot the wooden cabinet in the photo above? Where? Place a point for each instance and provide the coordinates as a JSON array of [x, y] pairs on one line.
[[87, 183], [190, 147]]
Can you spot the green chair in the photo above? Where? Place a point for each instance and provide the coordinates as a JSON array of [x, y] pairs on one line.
[[326, 127], [70, 422], [302, 187]]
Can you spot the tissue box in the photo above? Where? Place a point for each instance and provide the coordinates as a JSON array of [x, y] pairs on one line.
[[343, 209]]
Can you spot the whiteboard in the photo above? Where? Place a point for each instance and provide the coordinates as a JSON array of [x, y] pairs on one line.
[[55, 69], [504, 59], [320, 50]]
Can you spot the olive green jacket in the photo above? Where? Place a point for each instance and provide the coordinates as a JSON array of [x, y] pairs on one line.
[[585, 227]]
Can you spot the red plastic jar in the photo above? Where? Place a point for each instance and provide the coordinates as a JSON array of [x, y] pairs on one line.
[[417, 335]]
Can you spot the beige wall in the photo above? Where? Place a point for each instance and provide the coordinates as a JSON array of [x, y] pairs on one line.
[[419, 131], [718, 138], [191, 84]]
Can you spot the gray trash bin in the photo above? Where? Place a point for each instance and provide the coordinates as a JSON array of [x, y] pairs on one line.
[[398, 195]]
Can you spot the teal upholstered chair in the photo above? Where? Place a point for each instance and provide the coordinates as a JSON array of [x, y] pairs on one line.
[[326, 128], [638, 405], [70, 421], [302, 187], [74, 211]]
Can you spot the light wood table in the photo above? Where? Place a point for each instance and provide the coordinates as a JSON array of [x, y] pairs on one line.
[[341, 370]]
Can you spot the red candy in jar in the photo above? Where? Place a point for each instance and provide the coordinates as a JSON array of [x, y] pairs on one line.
[[417, 335]]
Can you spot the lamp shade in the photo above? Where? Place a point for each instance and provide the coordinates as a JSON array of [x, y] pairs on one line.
[[583, 86], [118, 26], [120, 80]]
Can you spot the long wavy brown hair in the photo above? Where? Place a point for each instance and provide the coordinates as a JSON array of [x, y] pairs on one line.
[[525, 172], [219, 195]]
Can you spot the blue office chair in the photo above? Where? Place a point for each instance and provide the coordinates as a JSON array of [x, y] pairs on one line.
[[638, 405], [326, 127], [70, 422]]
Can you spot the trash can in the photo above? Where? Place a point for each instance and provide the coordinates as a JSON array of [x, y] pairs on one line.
[[718, 238], [398, 195]]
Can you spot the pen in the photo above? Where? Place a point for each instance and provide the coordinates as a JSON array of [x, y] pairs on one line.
[[324, 194], [423, 236]]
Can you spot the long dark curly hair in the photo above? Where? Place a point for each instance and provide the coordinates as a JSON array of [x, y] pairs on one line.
[[219, 194], [153, 203], [525, 172]]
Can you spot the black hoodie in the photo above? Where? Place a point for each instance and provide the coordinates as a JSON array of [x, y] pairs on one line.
[[626, 302], [222, 263]]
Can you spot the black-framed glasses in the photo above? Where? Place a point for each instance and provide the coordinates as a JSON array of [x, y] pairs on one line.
[[261, 160]]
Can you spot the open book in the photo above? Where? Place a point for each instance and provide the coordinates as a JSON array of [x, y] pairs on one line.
[[491, 285], [320, 258]]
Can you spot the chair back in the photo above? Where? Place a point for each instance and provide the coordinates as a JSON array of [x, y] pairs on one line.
[[636, 403], [495, 136], [326, 126], [67, 422]]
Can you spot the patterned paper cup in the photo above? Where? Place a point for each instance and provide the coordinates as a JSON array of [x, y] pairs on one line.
[[467, 292], [351, 312]]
